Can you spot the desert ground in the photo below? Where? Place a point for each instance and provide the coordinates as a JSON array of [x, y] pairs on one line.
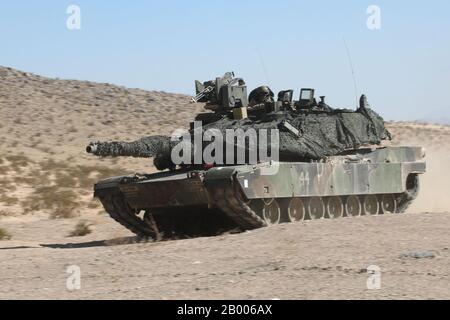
[[46, 203]]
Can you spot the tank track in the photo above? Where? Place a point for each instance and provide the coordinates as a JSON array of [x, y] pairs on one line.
[[118, 209], [407, 198], [157, 227], [404, 202], [228, 199]]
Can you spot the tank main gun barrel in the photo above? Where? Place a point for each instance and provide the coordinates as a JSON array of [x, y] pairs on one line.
[[147, 147]]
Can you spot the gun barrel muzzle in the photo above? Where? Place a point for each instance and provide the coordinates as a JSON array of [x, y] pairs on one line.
[[92, 148]]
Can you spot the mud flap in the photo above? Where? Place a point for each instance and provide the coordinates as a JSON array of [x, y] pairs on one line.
[[219, 177]]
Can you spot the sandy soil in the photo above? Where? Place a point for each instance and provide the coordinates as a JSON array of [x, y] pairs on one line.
[[45, 190], [311, 260]]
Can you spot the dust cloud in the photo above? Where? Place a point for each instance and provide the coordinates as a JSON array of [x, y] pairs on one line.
[[435, 183]]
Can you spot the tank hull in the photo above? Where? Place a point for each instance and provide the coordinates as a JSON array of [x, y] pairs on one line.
[[364, 181]]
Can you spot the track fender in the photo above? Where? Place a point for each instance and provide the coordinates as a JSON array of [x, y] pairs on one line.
[[219, 177]]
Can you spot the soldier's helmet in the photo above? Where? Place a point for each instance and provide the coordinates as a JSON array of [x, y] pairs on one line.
[[260, 95]]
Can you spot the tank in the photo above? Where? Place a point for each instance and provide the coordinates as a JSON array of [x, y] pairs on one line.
[[252, 162]]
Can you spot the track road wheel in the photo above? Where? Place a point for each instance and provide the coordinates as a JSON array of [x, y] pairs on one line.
[[335, 208], [353, 207], [271, 212], [296, 210], [371, 205], [388, 203], [316, 208]]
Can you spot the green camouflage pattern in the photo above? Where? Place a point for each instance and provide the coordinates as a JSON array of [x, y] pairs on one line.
[[360, 172]]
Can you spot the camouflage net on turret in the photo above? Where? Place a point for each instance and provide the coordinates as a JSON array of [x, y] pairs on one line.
[[320, 134]]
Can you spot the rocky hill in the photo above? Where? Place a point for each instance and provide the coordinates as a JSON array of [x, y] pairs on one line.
[[46, 124]]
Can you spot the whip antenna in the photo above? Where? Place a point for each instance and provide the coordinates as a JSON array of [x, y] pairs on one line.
[[353, 71], [263, 65]]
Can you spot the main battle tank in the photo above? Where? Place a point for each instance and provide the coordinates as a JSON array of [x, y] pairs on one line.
[[252, 162]]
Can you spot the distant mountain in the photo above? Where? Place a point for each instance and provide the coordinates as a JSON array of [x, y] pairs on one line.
[[441, 121]]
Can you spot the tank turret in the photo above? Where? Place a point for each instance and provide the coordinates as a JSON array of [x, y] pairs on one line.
[[306, 129]]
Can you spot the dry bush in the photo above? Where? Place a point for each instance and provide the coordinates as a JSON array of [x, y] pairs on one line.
[[18, 121], [35, 143], [72, 130], [18, 161], [32, 180], [4, 234], [4, 213], [58, 187], [6, 188], [80, 176], [63, 204], [81, 229], [4, 170], [94, 204], [8, 201], [88, 175], [51, 165], [65, 179]]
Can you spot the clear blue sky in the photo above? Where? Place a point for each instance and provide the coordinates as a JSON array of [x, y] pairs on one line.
[[404, 68]]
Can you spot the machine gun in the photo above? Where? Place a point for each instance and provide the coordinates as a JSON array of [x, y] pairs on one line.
[[203, 90], [202, 94], [222, 94]]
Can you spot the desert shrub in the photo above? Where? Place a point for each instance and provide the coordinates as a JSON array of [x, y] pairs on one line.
[[81, 229], [32, 180], [35, 143], [18, 160], [62, 203], [59, 186], [4, 213], [65, 204], [65, 180], [52, 165], [93, 204], [18, 121], [4, 234], [8, 201], [4, 170], [73, 129], [88, 175]]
